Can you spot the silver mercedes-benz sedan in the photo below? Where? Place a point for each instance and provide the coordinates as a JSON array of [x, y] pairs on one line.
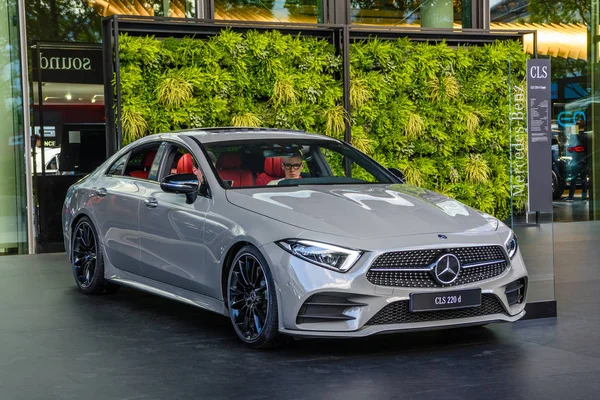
[[288, 233]]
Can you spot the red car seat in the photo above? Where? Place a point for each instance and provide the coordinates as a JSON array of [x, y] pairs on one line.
[[146, 164], [273, 170], [229, 167], [184, 165]]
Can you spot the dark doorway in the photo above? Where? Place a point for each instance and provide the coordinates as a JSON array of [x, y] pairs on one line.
[[68, 129]]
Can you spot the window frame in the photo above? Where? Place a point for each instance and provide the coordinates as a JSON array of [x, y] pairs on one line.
[[110, 168]]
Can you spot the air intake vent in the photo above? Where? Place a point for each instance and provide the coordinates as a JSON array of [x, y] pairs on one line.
[[399, 313], [515, 291], [326, 308]]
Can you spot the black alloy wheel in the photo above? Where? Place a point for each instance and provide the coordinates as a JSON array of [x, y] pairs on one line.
[[87, 261], [557, 188], [252, 300]]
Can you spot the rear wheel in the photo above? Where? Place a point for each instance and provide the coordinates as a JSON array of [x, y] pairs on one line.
[[252, 300], [87, 261]]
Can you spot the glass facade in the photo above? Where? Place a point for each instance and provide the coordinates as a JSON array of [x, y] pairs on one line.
[[564, 30], [296, 11], [412, 13], [13, 191]]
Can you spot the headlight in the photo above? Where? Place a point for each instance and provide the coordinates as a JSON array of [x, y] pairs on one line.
[[511, 245], [492, 221], [324, 255]]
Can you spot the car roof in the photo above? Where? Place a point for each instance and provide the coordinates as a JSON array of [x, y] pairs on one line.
[[229, 134]]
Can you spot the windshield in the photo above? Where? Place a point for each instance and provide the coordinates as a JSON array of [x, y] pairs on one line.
[[261, 163]]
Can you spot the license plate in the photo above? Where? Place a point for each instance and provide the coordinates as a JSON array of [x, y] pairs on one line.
[[445, 300]]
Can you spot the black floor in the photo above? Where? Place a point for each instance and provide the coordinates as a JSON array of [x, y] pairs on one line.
[[56, 343]]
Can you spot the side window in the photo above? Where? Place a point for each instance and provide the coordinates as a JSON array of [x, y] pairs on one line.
[[118, 166], [182, 162], [336, 161], [179, 160], [140, 162]]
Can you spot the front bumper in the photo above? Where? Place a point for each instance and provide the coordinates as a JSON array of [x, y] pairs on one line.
[[360, 302]]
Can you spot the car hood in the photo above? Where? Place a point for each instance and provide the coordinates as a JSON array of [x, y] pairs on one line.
[[361, 211]]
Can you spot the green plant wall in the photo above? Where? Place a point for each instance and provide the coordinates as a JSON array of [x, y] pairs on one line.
[[257, 79], [438, 113]]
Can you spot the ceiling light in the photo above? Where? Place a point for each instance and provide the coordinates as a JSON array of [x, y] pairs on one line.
[[93, 100], [68, 96]]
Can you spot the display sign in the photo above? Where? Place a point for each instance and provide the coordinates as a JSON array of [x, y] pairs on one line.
[[539, 135], [68, 65], [49, 131]]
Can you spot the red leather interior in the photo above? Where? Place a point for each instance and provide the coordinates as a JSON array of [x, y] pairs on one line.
[[229, 160], [146, 164], [140, 174], [273, 170], [148, 159], [184, 165], [229, 167]]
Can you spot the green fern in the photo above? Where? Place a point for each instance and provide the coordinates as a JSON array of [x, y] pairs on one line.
[[134, 124], [360, 93], [336, 118], [247, 119], [414, 126], [476, 169], [283, 90], [174, 91]]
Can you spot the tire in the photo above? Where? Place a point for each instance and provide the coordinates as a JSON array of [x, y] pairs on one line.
[[87, 260], [557, 187], [252, 300]]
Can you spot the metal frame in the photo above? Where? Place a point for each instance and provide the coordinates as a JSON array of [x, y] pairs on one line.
[[22, 26], [340, 35]]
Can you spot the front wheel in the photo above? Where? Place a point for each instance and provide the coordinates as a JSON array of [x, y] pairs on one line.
[[252, 300]]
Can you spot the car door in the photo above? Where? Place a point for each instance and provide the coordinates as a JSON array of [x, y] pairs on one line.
[[172, 231], [116, 203]]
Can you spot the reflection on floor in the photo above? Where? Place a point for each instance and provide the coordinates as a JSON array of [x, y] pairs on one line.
[[571, 210]]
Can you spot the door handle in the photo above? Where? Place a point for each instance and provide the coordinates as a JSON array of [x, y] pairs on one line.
[[100, 192], [151, 202]]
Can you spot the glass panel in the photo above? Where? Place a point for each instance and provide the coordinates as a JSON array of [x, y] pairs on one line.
[[298, 11], [64, 21], [165, 8], [13, 203], [562, 36], [414, 13], [80, 21]]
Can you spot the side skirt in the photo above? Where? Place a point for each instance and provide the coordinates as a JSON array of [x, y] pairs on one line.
[[164, 290]]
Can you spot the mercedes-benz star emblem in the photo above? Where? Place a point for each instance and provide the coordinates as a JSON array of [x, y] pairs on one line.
[[446, 269]]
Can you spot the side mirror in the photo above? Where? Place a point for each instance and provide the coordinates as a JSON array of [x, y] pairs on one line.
[[399, 174], [181, 183]]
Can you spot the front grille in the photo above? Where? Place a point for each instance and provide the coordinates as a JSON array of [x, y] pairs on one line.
[[398, 312], [404, 268]]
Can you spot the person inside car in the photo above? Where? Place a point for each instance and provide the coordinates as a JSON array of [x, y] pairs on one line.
[[292, 167], [196, 169]]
